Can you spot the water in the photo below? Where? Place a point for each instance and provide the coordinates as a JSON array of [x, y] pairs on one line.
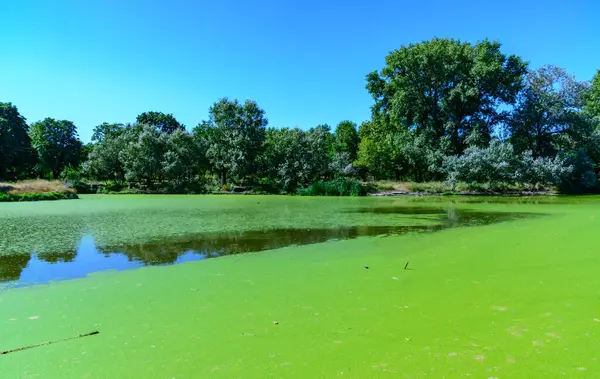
[[88, 257]]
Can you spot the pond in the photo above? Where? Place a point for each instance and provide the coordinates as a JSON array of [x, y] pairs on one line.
[[41, 265], [300, 287]]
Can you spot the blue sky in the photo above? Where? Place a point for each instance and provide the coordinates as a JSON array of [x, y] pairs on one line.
[[304, 62]]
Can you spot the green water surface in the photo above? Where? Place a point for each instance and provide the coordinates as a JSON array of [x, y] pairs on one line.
[[495, 288]]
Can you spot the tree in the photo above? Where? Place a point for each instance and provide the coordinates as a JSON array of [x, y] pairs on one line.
[[288, 157], [341, 166], [107, 130], [235, 135], [183, 158], [16, 153], [379, 149], [56, 143], [320, 143], [163, 122], [548, 117], [104, 159], [445, 88], [142, 156], [498, 164], [346, 139], [592, 99]]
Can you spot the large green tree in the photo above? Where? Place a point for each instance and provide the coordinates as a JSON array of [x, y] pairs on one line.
[[16, 154], [446, 89], [183, 159], [288, 157], [235, 135], [164, 122], [320, 142], [143, 154], [107, 130], [346, 139], [104, 160], [592, 99], [56, 143], [548, 117]]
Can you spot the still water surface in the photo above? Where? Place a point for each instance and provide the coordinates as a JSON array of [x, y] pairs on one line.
[[88, 257]]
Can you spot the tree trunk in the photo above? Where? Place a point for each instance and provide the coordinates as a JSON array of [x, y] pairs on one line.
[[223, 178]]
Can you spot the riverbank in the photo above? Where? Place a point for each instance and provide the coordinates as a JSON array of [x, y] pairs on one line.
[[391, 188], [36, 190]]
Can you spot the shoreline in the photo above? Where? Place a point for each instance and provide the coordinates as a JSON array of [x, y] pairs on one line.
[[398, 193]]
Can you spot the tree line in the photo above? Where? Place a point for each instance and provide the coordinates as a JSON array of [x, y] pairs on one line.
[[444, 110]]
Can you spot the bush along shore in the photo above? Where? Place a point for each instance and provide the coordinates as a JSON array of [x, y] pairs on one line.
[[36, 190]]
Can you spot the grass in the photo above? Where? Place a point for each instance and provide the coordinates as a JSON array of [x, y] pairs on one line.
[[442, 188], [510, 300], [425, 187], [35, 190], [429, 187], [335, 187], [8, 197], [35, 186]]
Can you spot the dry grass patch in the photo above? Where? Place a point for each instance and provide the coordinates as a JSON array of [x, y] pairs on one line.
[[35, 186]]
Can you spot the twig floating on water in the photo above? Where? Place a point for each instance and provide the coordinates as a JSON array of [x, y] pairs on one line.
[[48, 343]]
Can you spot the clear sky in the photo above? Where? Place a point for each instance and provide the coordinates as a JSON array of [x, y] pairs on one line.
[[304, 62]]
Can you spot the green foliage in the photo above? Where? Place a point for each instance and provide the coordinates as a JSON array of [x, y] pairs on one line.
[[346, 139], [582, 178], [110, 186], [37, 196], [320, 144], [234, 136], [70, 174], [293, 157], [104, 159], [163, 122], [341, 166], [336, 187], [56, 143], [107, 131], [429, 187], [379, 150], [592, 99], [548, 117], [183, 158], [288, 157], [17, 157], [439, 108], [142, 157], [498, 165], [445, 88]]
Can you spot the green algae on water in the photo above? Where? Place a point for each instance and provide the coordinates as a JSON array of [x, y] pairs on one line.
[[513, 299]]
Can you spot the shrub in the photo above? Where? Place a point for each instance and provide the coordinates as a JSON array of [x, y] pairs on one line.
[[497, 166], [429, 187], [110, 186], [36, 196], [582, 177], [336, 187], [341, 166]]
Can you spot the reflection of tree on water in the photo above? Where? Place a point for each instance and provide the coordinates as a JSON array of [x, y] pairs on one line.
[[244, 242], [64, 257], [84, 260], [11, 266]]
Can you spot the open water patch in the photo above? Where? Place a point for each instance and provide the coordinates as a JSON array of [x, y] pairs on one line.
[[87, 257]]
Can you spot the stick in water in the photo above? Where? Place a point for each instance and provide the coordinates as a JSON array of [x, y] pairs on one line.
[[49, 343], [406, 265]]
